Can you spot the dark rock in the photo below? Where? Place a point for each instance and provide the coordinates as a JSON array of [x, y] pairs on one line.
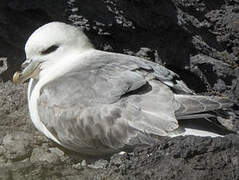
[[3, 64], [18, 20], [219, 76], [186, 158], [116, 160], [235, 84]]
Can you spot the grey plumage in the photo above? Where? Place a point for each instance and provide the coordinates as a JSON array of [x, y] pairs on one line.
[[116, 101], [98, 103]]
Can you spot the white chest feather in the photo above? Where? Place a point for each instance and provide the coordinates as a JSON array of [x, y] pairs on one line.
[[33, 95], [50, 73]]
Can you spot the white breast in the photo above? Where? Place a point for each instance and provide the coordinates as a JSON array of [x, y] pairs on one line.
[[33, 94], [53, 71]]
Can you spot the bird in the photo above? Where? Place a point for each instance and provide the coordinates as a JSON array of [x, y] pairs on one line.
[[97, 103]]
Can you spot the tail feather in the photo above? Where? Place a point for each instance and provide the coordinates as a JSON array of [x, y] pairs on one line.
[[190, 105]]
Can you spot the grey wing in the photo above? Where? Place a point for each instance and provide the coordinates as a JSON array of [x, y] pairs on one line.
[[196, 106], [108, 105]]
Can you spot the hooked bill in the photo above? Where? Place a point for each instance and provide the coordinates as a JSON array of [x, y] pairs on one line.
[[16, 77]]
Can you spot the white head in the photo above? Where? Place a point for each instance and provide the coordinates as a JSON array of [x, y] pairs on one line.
[[47, 42]]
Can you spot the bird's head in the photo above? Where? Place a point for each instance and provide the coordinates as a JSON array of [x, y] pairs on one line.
[[48, 42]]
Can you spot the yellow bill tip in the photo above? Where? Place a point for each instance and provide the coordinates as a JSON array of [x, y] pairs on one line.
[[16, 77]]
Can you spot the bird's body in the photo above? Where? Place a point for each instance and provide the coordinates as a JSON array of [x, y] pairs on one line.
[[96, 102]]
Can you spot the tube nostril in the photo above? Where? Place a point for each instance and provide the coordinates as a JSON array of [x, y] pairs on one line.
[[25, 63]]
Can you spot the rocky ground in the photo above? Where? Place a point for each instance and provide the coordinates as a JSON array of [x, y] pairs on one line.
[[198, 39]]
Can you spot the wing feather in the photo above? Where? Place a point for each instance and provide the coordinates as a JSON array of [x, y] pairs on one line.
[[109, 102]]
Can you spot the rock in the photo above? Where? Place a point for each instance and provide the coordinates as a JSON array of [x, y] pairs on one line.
[[57, 151], [43, 155], [12, 98], [99, 164], [17, 145], [5, 174], [116, 160], [197, 157], [217, 75], [235, 84], [3, 64], [13, 109], [3, 159]]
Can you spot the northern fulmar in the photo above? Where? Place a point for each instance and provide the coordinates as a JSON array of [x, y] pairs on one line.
[[97, 102]]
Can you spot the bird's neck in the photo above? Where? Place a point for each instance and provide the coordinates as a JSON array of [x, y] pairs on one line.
[[55, 68]]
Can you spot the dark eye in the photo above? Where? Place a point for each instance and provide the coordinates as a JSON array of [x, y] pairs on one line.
[[50, 49]]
